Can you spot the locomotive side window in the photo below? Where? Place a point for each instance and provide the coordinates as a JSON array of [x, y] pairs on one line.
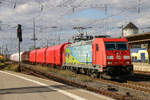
[[97, 47], [116, 46]]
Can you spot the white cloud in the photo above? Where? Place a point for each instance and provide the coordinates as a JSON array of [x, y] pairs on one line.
[[49, 13]]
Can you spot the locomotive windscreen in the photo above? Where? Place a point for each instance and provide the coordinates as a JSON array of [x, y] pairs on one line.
[[116, 46]]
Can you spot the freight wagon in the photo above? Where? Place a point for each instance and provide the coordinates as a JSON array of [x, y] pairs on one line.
[[25, 56], [15, 57], [32, 56]]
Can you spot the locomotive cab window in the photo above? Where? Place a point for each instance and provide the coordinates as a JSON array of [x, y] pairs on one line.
[[116, 46]]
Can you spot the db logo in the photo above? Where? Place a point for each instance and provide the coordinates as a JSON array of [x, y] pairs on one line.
[[118, 57]]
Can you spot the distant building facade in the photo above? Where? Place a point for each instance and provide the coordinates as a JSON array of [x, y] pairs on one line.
[[130, 29]]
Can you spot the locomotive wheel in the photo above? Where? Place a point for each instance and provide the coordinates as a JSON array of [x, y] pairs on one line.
[[89, 72], [69, 67], [49, 65], [95, 75], [98, 75], [64, 68], [73, 69], [78, 70], [104, 76], [85, 71]]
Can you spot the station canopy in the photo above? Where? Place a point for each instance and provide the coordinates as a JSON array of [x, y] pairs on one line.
[[136, 38]]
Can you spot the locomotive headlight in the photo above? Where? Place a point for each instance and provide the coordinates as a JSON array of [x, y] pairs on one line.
[[126, 57], [127, 62], [109, 62], [110, 57]]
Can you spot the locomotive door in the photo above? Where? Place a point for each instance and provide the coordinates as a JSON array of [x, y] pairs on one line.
[[142, 57]]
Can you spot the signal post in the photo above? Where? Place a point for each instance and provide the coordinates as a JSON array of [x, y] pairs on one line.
[[19, 36]]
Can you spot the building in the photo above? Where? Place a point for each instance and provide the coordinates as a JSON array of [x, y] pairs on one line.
[[140, 47], [130, 29]]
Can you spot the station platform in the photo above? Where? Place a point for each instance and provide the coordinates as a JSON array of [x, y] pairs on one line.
[[141, 67], [18, 86]]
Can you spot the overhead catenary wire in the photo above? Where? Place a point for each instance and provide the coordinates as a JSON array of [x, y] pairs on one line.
[[70, 2]]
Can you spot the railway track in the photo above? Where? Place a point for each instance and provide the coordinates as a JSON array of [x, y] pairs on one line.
[[132, 85], [142, 72], [142, 85]]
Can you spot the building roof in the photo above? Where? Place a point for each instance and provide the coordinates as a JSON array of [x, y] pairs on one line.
[[130, 26]]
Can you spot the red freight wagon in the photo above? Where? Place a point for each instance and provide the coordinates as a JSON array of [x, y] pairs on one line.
[[41, 56], [50, 55], [54, 54], [33, 56], [25, 56]]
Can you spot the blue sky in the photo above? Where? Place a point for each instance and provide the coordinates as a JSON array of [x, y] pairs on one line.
[[87, 13]]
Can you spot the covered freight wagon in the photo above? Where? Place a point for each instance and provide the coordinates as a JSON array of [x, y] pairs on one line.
[[41, 56], [54, 54], [33, 56], [25, 56], [15, 57]]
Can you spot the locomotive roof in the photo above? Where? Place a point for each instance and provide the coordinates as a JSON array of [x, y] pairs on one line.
[[82, 43], [90, 41], [115, 39]]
